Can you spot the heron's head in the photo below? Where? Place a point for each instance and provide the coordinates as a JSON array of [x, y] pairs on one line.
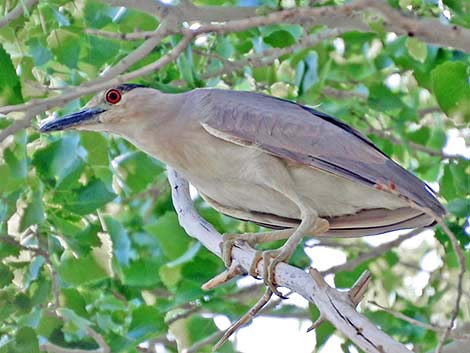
[[110, 110]]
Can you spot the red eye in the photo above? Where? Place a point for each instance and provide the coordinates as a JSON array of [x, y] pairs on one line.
[[113, 96]]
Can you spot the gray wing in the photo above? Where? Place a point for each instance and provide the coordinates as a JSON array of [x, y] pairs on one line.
[[307, 136]]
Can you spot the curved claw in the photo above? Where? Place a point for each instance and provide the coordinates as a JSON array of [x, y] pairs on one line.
[[226, 248], [253, 271], [269, 270]]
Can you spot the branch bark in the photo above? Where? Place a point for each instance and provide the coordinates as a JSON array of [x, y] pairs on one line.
[[17, 11], [429, 30], [186, 12], [335, 306]]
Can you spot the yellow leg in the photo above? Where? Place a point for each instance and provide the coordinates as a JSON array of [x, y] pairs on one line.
[[252, 239], [284, 253]]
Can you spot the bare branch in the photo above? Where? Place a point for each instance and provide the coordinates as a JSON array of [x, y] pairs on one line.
[[268, 56], [142, 51], [186, 12], [375, 252], [17, 11], [415, 146], [429, 30], [53, 348]]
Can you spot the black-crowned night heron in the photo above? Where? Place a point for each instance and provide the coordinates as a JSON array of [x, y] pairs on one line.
[[266, 160]]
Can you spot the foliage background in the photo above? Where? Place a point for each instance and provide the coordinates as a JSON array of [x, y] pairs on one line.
[[90, 247]]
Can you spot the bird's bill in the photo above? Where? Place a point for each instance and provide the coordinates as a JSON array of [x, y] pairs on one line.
[[84, 117]]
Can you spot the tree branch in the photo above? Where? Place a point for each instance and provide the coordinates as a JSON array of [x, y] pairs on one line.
[[371, 254], [186, 12], [17, 11], [335, 306], [268, 56], [431, 327], [415, 146], [429, 30], [53, 348]]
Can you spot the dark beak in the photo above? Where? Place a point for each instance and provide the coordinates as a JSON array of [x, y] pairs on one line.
[[83, 117]]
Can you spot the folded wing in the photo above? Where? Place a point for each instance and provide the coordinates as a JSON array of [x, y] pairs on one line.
[[307, 136]]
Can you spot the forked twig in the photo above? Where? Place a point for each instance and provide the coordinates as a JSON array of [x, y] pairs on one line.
[[355, 294], [245, 318]]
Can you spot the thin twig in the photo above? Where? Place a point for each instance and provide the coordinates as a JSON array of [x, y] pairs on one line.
[[373, 253], [456, 308], [396, 141], [430, 327]]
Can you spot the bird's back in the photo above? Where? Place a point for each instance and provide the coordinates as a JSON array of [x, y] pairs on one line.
[[306, 137]]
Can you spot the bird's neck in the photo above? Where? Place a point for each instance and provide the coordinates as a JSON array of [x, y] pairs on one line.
[[161, 132]]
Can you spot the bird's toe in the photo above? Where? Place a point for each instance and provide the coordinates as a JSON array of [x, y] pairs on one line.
[[226, 248]]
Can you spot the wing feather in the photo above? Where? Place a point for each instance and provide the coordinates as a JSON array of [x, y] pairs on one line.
[[307, 136]]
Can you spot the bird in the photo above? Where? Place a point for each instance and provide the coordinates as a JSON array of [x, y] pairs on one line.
[[288, 167]]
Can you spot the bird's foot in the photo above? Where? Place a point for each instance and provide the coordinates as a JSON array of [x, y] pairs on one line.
[[228, 242], [270, 259]]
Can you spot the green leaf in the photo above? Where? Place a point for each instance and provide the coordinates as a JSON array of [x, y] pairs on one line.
[[26, 341], [39, 51], [185, 65], [382, 99], [311, 72], [170, 276], [60, 18], [6, 275], [59, 159], [89, 198], [451, 86], [459, 207], [146, 321], [200, 328], [10, 87], [171, 236], [18, 166], [142, 273], [73, 322], [138, 170], [82, 270], [455, 181], [417, 49], [73, 299], [98, 15], [279, 39], [96, 146], [101, 51], [65, 46], [33, 213], [47, 325], [120, 239]]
